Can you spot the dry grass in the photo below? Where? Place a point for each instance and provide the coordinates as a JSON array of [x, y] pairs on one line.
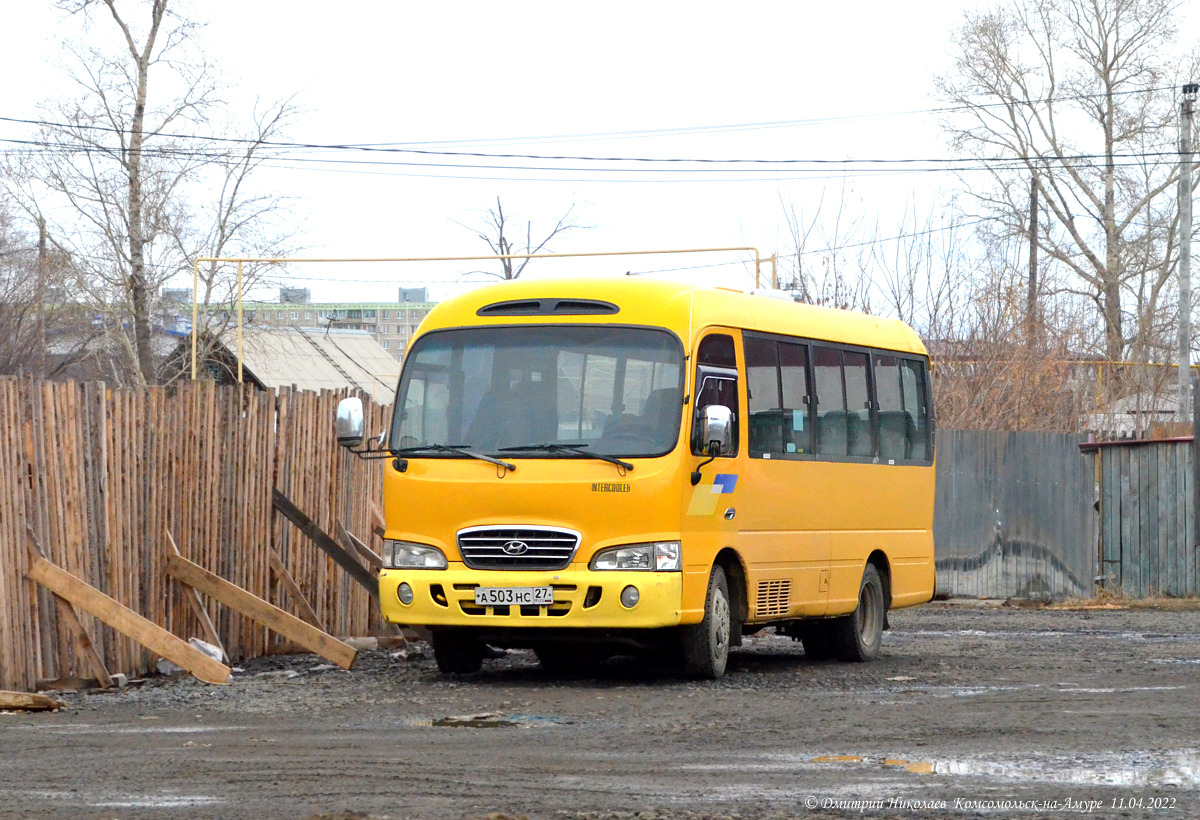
[[1116, 599]]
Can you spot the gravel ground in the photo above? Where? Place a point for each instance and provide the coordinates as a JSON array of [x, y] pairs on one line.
[[971, 711]]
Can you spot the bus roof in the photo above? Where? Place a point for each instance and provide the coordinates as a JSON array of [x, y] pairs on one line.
[[682, 308]]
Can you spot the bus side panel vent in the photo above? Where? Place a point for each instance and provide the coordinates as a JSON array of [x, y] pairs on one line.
[[772, 598]]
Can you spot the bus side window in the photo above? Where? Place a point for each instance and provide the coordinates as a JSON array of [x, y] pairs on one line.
[[793, 377], [858, 403], [716, 383], [833, 422], [717, 350], [915, 388], [896, 427], [765, 418]]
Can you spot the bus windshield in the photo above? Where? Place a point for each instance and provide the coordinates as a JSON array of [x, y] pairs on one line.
[[608, 390]]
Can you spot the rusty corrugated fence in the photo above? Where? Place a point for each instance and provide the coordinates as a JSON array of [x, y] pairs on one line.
[[1014, 515]]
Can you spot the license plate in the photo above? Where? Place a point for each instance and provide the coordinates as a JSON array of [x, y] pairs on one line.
[[515, 596]]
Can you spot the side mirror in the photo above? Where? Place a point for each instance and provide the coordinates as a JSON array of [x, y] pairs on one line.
[[350, 422], [716, 420]]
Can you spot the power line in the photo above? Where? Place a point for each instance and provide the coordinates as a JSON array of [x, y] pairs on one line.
[[408, 146], [753, 126], [950, 227], [908, 165], [386, 148]]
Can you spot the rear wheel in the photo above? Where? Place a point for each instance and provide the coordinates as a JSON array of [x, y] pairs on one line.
[[858, 636], [457, 653], [706, 644]]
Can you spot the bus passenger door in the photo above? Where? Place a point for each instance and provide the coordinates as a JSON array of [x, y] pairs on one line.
[[709, 521]]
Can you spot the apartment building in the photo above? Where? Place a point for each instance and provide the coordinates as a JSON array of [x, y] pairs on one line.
[[392, 324]]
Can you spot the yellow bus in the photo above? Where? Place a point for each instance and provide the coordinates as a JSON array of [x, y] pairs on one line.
[[611, 466]]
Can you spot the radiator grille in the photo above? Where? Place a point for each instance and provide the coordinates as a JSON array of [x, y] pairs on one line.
[[517, 548], [773, 597]]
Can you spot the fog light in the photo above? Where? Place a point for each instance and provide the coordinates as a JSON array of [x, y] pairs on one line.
[[629, 597], [405, 594]]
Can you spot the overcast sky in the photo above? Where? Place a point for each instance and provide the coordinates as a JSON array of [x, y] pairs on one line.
[[619, 79]]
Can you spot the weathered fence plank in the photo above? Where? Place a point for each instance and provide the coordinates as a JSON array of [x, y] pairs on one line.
[[127, 621], [262, 612], [1146, 516], [347, 561]]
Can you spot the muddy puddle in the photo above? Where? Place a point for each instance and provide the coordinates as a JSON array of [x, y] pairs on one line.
[[120, 800], [93, 729], [1039, 634], [1179, 769], [489, 720]]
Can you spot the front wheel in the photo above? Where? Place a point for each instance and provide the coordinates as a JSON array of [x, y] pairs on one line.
[[706, 644], [857, 636]]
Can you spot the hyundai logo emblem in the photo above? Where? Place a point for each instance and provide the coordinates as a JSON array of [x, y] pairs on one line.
[[515, 548]]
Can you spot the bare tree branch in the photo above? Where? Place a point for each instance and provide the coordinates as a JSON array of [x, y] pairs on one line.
[[1045, 80], [497, 230]]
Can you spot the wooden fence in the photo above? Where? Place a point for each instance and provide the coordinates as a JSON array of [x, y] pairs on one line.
[[1147, 514], [100, 475]]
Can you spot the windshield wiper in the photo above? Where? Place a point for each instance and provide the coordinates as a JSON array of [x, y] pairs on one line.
[[578, 449], [460, 449]]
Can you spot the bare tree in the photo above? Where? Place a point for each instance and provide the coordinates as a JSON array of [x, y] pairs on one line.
[[926, 273], [116, 162], [988, 373], [42, 332], [22, 314], [123, 164], [498, 232], [242, 221], [1077, 97], [966, 297], [829, 261]]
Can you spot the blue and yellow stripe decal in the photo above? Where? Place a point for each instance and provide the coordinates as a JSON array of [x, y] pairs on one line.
[[707, 496]]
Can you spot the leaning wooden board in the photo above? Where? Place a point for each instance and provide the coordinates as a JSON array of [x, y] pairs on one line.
[[27, 701], [261, 611], [127, 622]]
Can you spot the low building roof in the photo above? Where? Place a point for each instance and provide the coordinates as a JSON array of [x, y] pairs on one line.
[[317, 360]]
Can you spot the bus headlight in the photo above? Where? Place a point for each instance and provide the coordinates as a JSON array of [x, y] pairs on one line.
[[407, 555], [659, 556]]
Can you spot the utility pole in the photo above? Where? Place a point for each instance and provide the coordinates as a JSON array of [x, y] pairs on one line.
[[41, 297], [1031, 300], [1185, 247]]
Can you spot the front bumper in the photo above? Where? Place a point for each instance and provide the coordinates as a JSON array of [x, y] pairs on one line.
[[582, 598]]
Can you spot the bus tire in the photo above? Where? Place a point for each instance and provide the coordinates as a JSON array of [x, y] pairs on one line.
[[857, 637], [706, 644], [456, 653]]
